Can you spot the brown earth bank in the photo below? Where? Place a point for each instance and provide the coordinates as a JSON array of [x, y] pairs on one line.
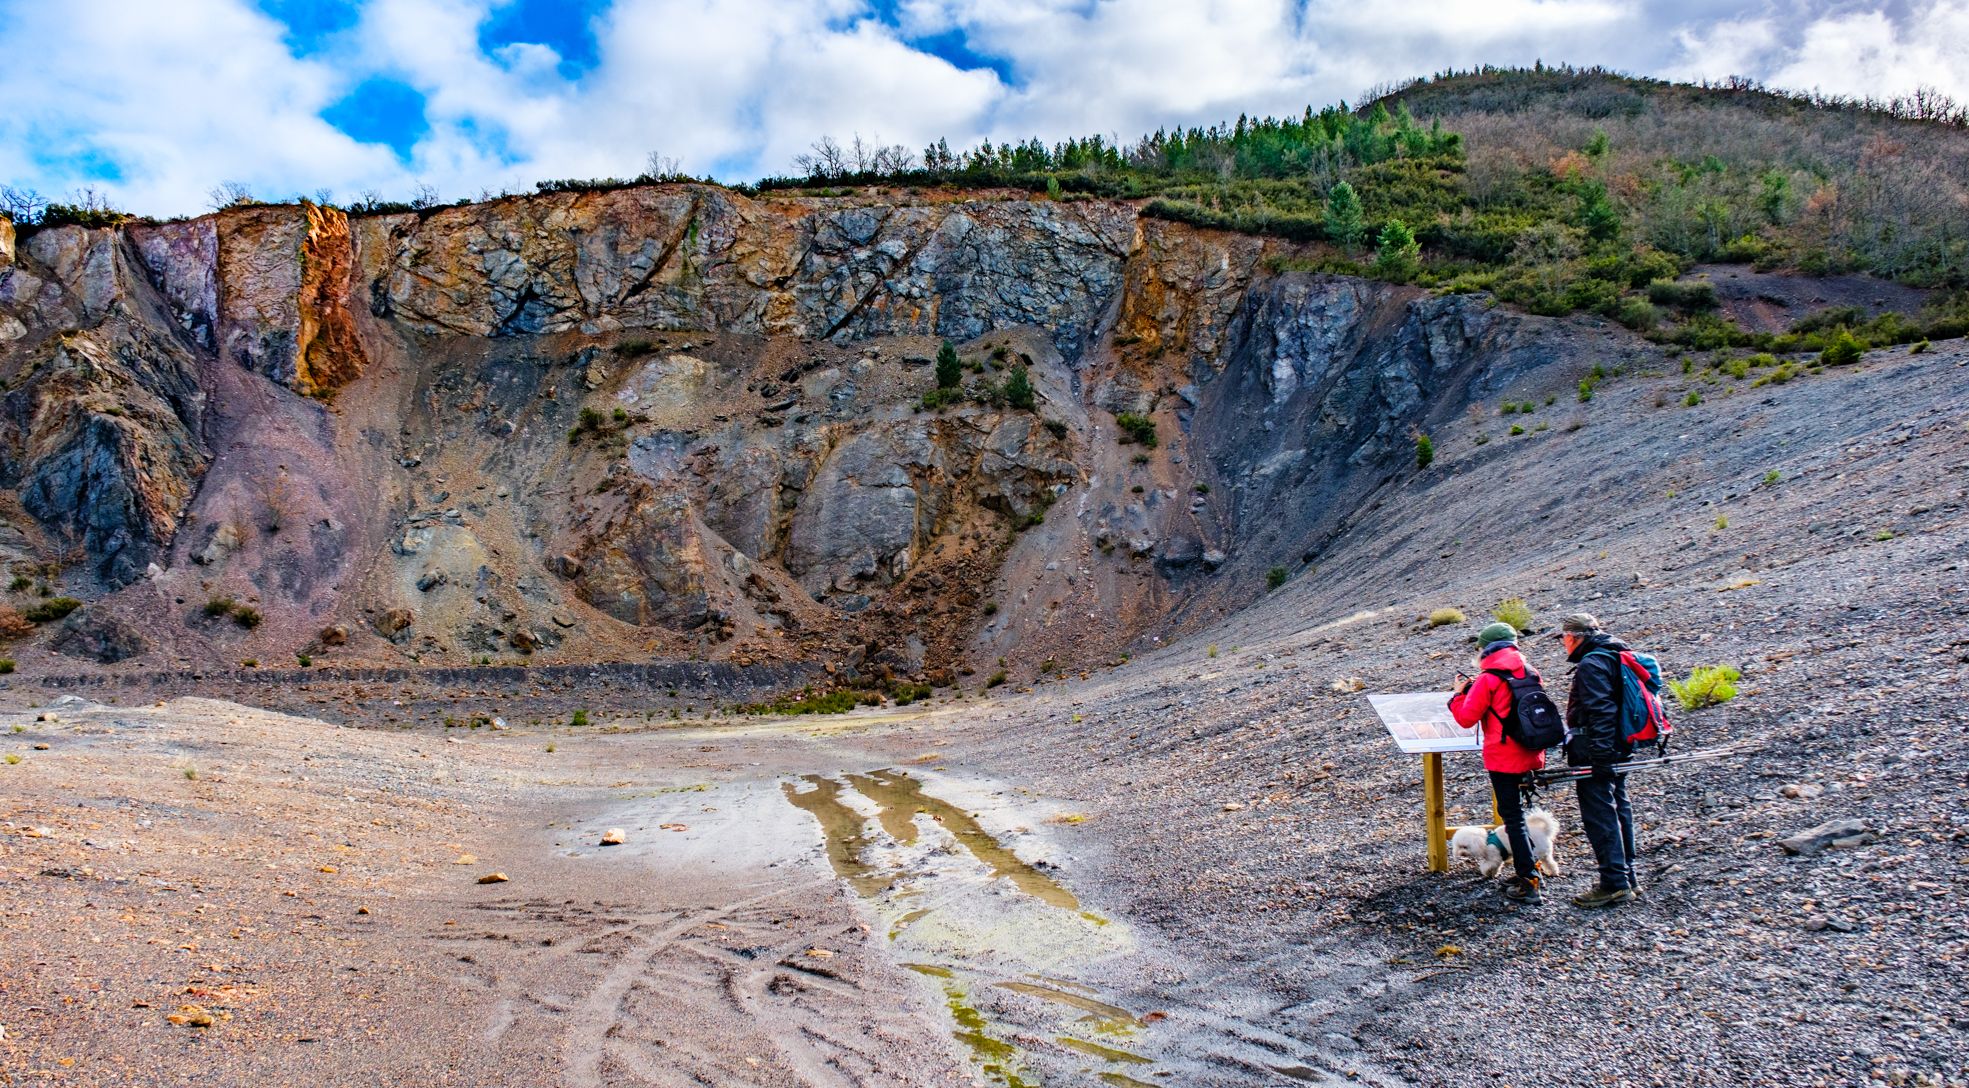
[[1202, 866]]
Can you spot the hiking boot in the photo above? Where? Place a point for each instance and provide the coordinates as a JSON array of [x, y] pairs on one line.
[[1634, 892], [1602, 896], [1523, 890]]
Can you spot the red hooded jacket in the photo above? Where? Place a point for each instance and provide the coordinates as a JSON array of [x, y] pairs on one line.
[[1488, 700]]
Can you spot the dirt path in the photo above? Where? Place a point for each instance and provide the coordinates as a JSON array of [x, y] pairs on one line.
[[795, 905]]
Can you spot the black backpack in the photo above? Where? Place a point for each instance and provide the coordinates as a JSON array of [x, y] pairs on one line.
[[1534, 720]]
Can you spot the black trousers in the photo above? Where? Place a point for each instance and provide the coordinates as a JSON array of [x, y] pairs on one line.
[[1609, 823], [1511, 809]]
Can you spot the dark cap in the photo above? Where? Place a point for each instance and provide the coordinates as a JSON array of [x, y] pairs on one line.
[[1579, 623]]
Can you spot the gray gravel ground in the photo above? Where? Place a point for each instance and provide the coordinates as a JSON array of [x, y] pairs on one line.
[[1247, 816], [1836, 588]]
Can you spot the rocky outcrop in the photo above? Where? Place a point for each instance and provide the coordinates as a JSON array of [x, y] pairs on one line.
[[100, 433], [285, 285], [676, 419], [691, 257]]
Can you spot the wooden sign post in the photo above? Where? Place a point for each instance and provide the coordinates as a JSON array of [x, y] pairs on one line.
[[1421, 724]]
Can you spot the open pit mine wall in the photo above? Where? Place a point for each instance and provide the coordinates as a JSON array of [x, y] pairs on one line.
[[258, 401]]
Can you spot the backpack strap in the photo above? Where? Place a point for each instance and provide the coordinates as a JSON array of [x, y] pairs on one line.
[[1504, 677]]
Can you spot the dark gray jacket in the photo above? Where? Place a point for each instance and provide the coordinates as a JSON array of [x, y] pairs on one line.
[[1593, 705]]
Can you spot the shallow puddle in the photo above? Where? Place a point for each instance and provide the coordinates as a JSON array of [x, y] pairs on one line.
[[844, 830], [961, 906]]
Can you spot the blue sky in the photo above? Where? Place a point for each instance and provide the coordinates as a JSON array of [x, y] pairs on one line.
[[156, 103]]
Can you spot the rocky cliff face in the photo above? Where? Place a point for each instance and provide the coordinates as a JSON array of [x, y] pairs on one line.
[[673, 420]]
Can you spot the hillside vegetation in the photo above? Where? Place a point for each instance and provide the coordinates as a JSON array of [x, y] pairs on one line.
[[1558, 189]]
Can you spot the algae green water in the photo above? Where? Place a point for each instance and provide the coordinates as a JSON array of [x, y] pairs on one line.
[[966, 932]]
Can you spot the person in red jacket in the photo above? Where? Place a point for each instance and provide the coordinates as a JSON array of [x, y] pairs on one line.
[[1484, 702]]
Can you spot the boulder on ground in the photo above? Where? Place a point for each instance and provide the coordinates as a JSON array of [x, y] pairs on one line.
[[1833, 833], [104, 638], [614, 836]]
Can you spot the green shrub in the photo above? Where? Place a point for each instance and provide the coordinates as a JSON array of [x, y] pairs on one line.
[[995, 679], [1737, 368], [1691, 295], [1444, 617], [950, 369], [905, 693], [1345, 224], [1397, 255], [1694, 398], [937, 399], [1057, 428], [303, 660], [1771, 477], [247, 616], [1516, 430], [1844, 350], [220, 606], [1018, 390], [1918, 347], [1508, 408], [836, 701], [1637, 314], [21, 584], [1425, 451], [1707, 685], [1514, 611], [1781, 375], [53, 608], [580, 717], [1276, 577], [6, 666], [1136, 427]]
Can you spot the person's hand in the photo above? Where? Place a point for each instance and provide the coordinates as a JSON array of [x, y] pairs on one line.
[[1462, 684]]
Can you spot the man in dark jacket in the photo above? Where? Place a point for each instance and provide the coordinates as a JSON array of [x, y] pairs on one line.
[[1593, 718]]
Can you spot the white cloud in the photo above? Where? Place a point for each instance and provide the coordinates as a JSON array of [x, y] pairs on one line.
[[1866, 53], [1735, 48], [174, 98], [168, 99]]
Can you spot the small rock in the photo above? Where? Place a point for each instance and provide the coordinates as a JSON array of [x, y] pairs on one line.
[[1835, 833], [1233, 806], [191, 1016], [1802, 791], [494, 878], [614, 836], [334, 635], [431, 579]]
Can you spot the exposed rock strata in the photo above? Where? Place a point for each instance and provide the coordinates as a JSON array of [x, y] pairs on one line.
[[676, 420]]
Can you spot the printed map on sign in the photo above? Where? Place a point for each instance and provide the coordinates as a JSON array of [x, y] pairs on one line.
[[1420, 722]]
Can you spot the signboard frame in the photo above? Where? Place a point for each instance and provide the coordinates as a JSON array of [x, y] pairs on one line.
[[1420, 724]]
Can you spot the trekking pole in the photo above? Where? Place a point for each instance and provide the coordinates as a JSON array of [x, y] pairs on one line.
[[1568, 774]]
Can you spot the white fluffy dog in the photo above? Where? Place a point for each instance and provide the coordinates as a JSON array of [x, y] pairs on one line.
[[1489, 850]]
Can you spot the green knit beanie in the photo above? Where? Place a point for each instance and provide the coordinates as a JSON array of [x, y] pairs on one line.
[[1495, 633]]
